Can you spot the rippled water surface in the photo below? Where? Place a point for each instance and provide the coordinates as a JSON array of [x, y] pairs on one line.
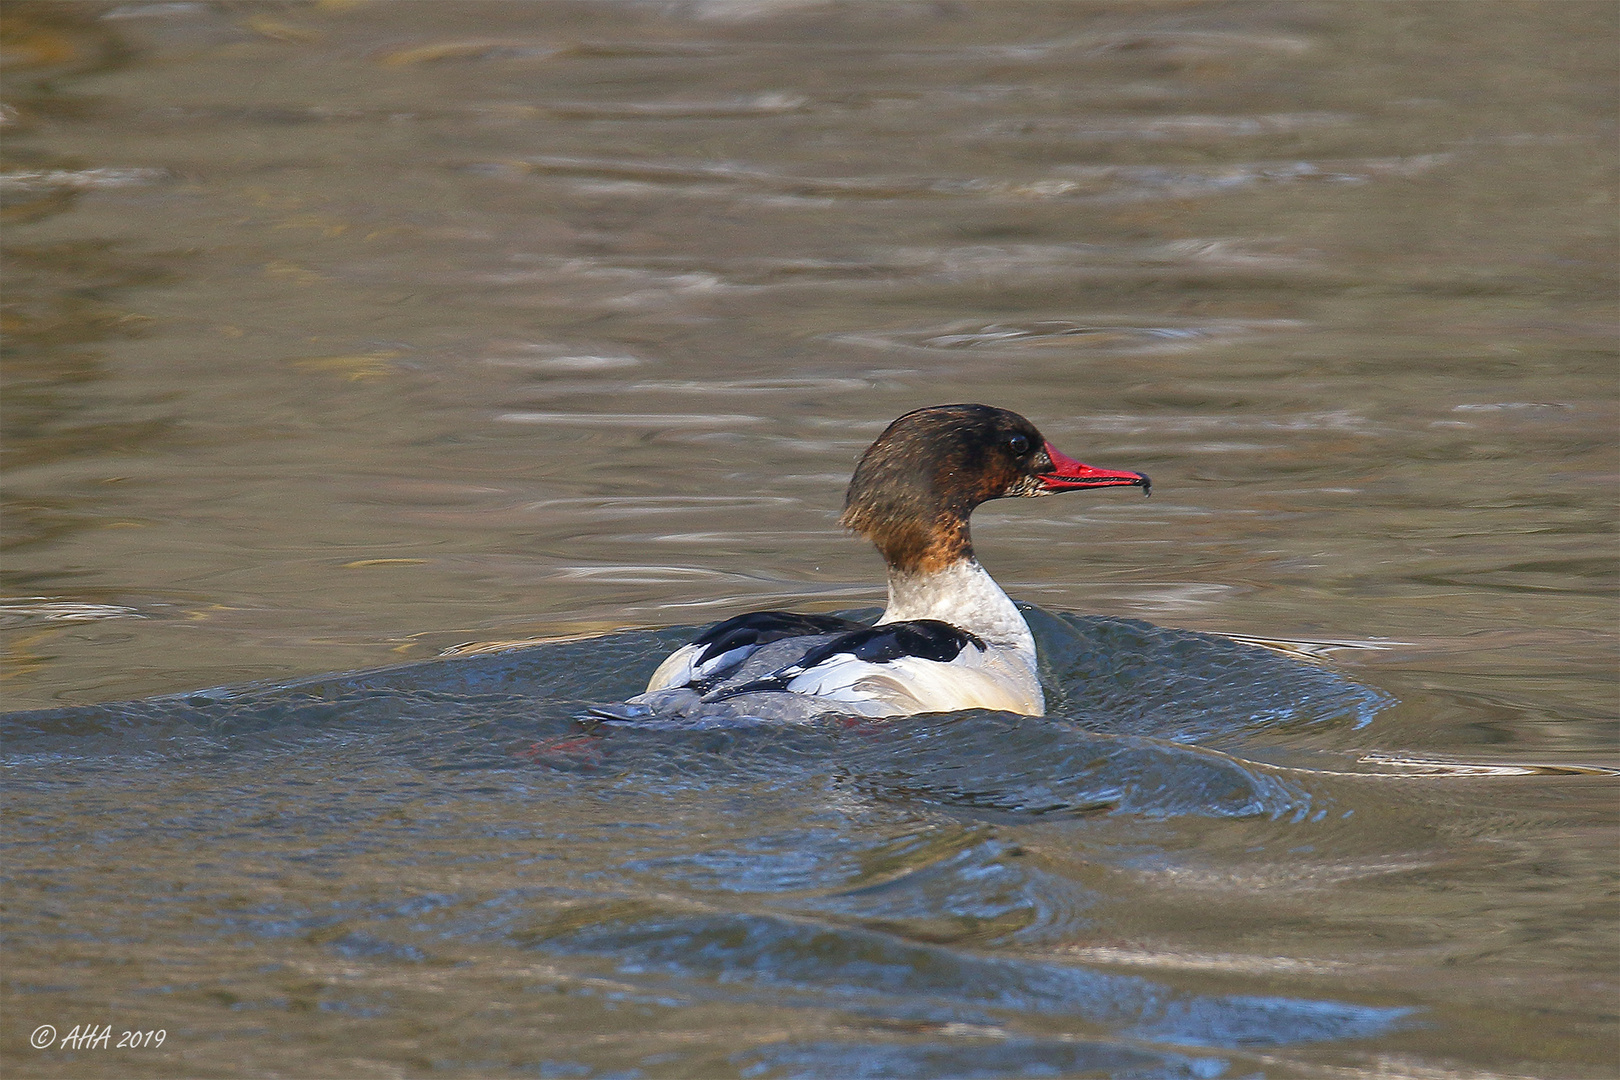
[[344, 334]]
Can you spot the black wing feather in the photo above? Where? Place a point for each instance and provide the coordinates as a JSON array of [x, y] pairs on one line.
[[764, 627], [928, 639]]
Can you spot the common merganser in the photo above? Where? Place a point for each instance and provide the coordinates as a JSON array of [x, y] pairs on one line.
[[949, 639]]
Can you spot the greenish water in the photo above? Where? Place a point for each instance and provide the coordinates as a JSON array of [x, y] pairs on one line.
[[343, 333]]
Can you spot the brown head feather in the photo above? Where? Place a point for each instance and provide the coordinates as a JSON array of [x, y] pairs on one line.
[[917, 485]]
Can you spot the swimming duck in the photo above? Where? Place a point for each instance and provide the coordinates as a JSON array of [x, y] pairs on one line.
[[949, 638]]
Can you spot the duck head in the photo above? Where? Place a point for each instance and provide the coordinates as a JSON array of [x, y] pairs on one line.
[[917, 485]]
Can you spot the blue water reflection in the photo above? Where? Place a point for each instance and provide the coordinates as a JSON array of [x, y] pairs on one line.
[[870, 870]]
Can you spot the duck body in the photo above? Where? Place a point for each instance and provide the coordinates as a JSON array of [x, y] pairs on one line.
[[949, 638]]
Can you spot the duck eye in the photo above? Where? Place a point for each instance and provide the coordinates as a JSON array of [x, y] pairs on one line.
[[1019, 445]]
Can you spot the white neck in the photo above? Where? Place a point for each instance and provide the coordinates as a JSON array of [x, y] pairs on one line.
[[964, 595]]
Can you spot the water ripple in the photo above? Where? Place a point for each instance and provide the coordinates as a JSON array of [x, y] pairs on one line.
[[1097, 183], [742, 957], [1183, 126], [637, 420], [1099, 336]]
